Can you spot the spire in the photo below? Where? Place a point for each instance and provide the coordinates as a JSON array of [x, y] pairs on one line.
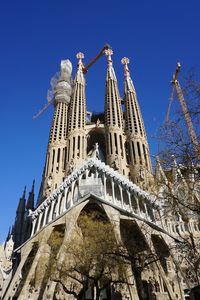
[[159, 172], [79, 75], [24, 192], [110, 69], [63, 92], [177, 175], [113, 108], [114, 120], [77, 120], [22, 201], [134, 121], [30, 201], [33, 186], [128, 81], [138, 149], [63, 88], [8, 235], [54, 170], [77, 117], [18, 228]]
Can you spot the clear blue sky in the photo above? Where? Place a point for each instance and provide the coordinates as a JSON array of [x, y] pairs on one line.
[[36, 35]]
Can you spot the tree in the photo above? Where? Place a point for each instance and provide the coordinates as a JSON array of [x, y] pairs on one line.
[[94, 259], [96, 263], [178, 181]]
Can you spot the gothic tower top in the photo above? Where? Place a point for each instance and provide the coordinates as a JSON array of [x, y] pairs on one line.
[[118, 135], [138, 149]]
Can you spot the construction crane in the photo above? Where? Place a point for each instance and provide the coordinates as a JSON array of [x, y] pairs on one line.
[[101, 53], [85, 70], [176, 86], [42, 109]]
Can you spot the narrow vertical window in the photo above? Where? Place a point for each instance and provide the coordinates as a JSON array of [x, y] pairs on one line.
[[145, 155], [139, 152], [58, 159], [68, 151], [121, 145], [116, 148], [79, 141], [127, 153], [110, 143], [83, 147], [65, 157], [52, 166], [47, 163], [133, 151], [73, 146]]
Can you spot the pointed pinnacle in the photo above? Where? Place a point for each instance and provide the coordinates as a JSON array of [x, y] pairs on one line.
[[157, 159], [125, 61], [9, 233], [108, 53], [24, 193], [33, 186], [174, 160], [80, 56]]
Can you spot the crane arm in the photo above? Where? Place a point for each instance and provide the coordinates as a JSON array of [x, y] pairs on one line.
[[85, 69], [185, 111], [42, 109], [101, 53], [170, 102], [174, 79], [186, 114]]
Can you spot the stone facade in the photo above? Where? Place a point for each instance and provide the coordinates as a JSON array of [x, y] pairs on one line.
[[99, 164]]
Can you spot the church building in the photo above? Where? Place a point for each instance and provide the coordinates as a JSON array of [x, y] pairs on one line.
[[98, 163]]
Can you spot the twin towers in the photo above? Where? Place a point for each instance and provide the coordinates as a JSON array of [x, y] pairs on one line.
[[117, 136]]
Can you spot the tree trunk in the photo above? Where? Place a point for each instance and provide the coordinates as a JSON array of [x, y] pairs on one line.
[[96, 292], [138, 280]]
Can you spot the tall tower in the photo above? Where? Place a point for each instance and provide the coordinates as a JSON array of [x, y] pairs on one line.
[[55, 164], [76, 150], [27, 225], [18, 228], [115, 151], [30, 201], [137, 145]]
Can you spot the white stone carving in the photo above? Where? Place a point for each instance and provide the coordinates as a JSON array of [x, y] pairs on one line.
[[102, 170]]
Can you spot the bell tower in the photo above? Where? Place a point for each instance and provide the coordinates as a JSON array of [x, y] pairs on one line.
[[76, 149], [55, 165], [115, 150], [137, 145]]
